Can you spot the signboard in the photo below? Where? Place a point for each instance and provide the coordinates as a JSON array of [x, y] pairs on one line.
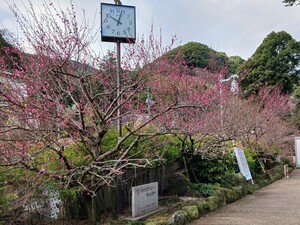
[[242, 162], [297, 151], [144, 199]]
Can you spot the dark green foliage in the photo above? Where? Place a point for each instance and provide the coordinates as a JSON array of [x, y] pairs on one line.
[[192, 211], [204, 189], [195, 54], [213, 170], [6, 199], [240, 191], [202, 207], [200, 55], [231, 195], [3, 41], [251, 188], [234, 64], [220, 193], [213, 203], [234, 179], [180, 217], [253, 163], [179, 185], [274, 63], [291, 2], [11, 56], [296, 93], [73, 202], [276, 172], [286, 161], [15, 188], [295, 117], [135, 222], [269, 159], [166, 145], [171, 149]]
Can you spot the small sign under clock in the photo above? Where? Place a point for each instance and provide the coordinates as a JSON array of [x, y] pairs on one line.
[[118, 23]]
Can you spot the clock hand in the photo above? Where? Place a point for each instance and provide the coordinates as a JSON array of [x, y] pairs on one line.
[[119, 22]]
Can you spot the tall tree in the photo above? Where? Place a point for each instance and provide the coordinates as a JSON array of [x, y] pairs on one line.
[[275, 62], [291, 2]]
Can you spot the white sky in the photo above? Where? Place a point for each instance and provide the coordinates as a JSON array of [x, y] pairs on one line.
[[236, 27]]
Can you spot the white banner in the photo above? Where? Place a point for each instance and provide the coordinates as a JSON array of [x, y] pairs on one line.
[[297, 151], [243, 164]]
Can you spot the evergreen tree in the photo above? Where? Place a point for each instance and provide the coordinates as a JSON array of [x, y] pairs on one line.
[[275, 62]]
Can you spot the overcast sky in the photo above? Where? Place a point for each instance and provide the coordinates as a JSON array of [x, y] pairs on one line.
[[236, 27]]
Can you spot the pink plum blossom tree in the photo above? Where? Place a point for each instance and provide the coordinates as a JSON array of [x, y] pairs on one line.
[[59, 101]]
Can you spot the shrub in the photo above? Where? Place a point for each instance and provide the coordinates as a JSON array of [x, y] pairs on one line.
[[73, 202], [6, 200], [286, 161], [204, 189], [213, 170], [213, 203], [192, 211]]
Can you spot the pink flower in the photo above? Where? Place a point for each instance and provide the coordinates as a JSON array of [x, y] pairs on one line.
[[42, 170]]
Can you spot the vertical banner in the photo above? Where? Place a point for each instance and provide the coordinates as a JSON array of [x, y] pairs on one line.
[[297, 151], [243, 164]]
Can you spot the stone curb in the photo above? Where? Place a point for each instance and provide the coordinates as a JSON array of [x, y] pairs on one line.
[[220, 198]]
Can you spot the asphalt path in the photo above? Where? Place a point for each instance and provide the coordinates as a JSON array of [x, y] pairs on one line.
[[275, 204]]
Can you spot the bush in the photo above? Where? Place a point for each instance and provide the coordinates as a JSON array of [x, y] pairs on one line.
[[204, 189], [202, 207], [213, 170], [213, 203], [179, 185], [192, 211], [252, 160], [286, 161], [6, 200], [251, 188], [73, 202], [180, 217]]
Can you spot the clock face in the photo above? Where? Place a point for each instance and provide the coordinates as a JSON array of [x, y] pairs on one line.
[[117, 23]]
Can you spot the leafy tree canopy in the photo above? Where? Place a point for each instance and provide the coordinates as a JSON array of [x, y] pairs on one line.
[[234, 63], [275, 62], [200, 55], [3, 42], [291, 2], [6, 49]]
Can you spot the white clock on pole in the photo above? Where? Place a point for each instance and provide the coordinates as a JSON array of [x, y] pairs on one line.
[[118, 23]]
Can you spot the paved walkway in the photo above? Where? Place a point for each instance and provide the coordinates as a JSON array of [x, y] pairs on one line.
[[275, 204]]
